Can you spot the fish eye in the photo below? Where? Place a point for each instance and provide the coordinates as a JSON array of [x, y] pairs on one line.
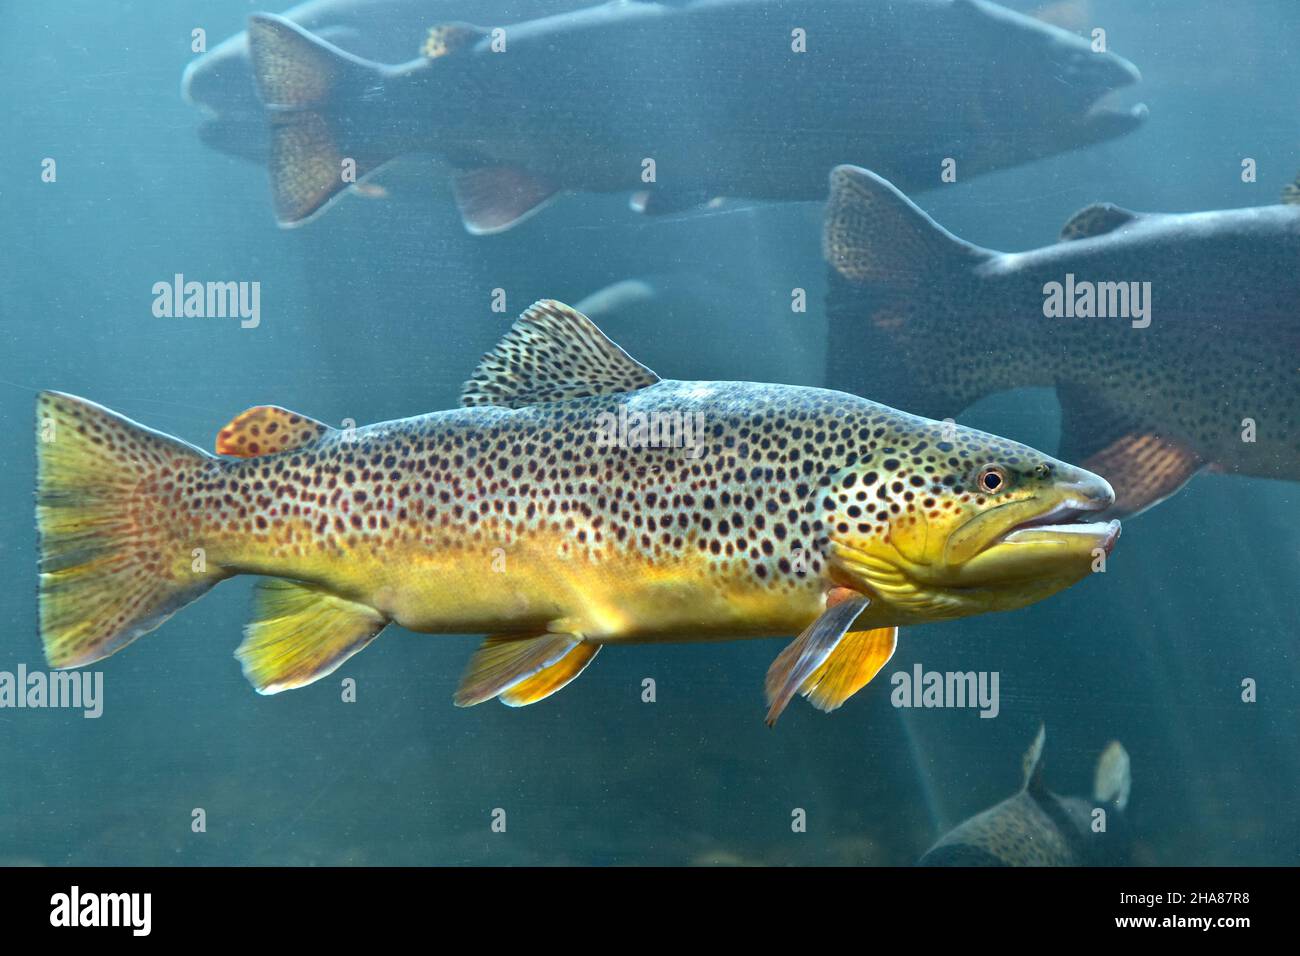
[[992, 478]]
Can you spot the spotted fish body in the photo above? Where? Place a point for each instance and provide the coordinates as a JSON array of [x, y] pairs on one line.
[[525, 515]]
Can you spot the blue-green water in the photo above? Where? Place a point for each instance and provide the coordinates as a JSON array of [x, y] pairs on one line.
[[382, 308]]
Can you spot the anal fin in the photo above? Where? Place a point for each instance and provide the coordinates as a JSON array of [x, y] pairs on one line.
[[1143, 467], [301, 633], [523, 670], [492, 199], [856, 660]]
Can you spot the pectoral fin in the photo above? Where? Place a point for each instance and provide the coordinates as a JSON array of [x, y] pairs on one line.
[[853, 664], [522, 670], [807, 652], [550, 679], [1143, 467], [301, 633]]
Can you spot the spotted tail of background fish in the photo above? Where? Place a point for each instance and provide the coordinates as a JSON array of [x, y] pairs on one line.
[[316, 96], [320, 102], [109, 568]]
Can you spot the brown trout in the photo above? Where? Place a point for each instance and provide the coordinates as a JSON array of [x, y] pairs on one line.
[[577, 500]]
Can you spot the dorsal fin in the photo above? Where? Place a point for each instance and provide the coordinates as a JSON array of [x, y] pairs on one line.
[[873, 233], [1097, 220], [553, 353], [1033, 762], [267, 430]]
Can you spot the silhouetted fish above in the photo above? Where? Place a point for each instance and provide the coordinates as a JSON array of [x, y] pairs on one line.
[[220, 82], [607, 99]]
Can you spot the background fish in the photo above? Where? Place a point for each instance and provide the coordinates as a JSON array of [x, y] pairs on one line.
[[220, 82], [944, 322], [789, 508], [897, 86], [1066, 14], [1038, 828]]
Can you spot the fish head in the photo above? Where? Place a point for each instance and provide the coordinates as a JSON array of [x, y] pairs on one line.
[[1046, 84], [942, 521]]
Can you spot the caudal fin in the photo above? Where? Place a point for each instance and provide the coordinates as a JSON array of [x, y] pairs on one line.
[[872, 233], [890, 267], [316, 97], [112, 565]]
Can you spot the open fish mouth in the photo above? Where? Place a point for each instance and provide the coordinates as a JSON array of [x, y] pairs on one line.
[[1107, 109], [1062, 520], [1106, 114]]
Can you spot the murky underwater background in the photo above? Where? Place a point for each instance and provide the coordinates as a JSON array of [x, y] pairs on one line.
[[381, 309]]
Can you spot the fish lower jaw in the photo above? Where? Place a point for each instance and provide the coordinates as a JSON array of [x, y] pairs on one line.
[[1062, 520], [1104, 533], [1104, 121]]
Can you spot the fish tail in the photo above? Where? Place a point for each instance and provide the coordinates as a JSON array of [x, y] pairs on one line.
[[315, 95], [112, 566], [884, 252]]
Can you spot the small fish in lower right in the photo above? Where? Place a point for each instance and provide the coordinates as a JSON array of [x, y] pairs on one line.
[[1038, 828]]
